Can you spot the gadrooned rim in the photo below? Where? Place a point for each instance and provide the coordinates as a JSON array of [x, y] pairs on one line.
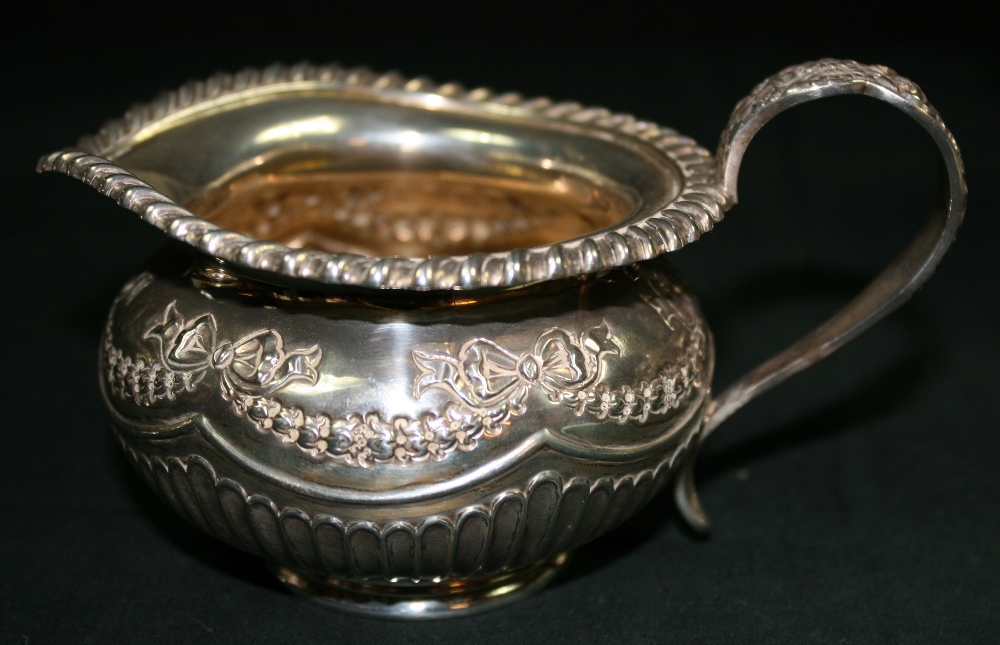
[[695, 210]]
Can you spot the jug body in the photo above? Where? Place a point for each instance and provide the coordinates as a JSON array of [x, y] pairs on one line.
[[446, 445]]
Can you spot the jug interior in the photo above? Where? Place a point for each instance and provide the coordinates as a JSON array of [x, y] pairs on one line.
[[405, 175], [410, 213]]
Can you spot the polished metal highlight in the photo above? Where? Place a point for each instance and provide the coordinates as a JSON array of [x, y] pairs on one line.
[[417, 343]]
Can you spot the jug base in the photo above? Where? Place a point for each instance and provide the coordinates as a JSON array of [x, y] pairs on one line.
[[420, 602]]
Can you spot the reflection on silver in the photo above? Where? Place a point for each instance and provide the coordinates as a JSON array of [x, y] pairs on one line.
[[318, 125], [482, 136], [326, 384]]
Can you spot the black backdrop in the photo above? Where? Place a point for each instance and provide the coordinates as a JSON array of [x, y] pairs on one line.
[[856, 503]]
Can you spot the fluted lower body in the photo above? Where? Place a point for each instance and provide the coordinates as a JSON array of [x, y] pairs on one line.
[[512, 538]]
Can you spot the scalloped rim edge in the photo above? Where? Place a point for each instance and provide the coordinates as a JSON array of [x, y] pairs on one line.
[[697, 207]]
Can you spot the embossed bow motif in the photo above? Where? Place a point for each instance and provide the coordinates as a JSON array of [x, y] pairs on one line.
[[257, 364], [488, 377]]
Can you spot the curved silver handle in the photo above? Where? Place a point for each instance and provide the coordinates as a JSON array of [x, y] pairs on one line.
[[891, 288]]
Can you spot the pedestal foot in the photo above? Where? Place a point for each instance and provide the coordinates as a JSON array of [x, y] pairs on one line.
[[409, 601]]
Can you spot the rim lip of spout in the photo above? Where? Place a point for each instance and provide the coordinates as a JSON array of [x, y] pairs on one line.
[[644, 234]]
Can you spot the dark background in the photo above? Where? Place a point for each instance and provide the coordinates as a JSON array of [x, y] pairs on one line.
[[857, 503]]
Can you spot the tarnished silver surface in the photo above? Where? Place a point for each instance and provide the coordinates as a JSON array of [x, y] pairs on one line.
[[429, 364]]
